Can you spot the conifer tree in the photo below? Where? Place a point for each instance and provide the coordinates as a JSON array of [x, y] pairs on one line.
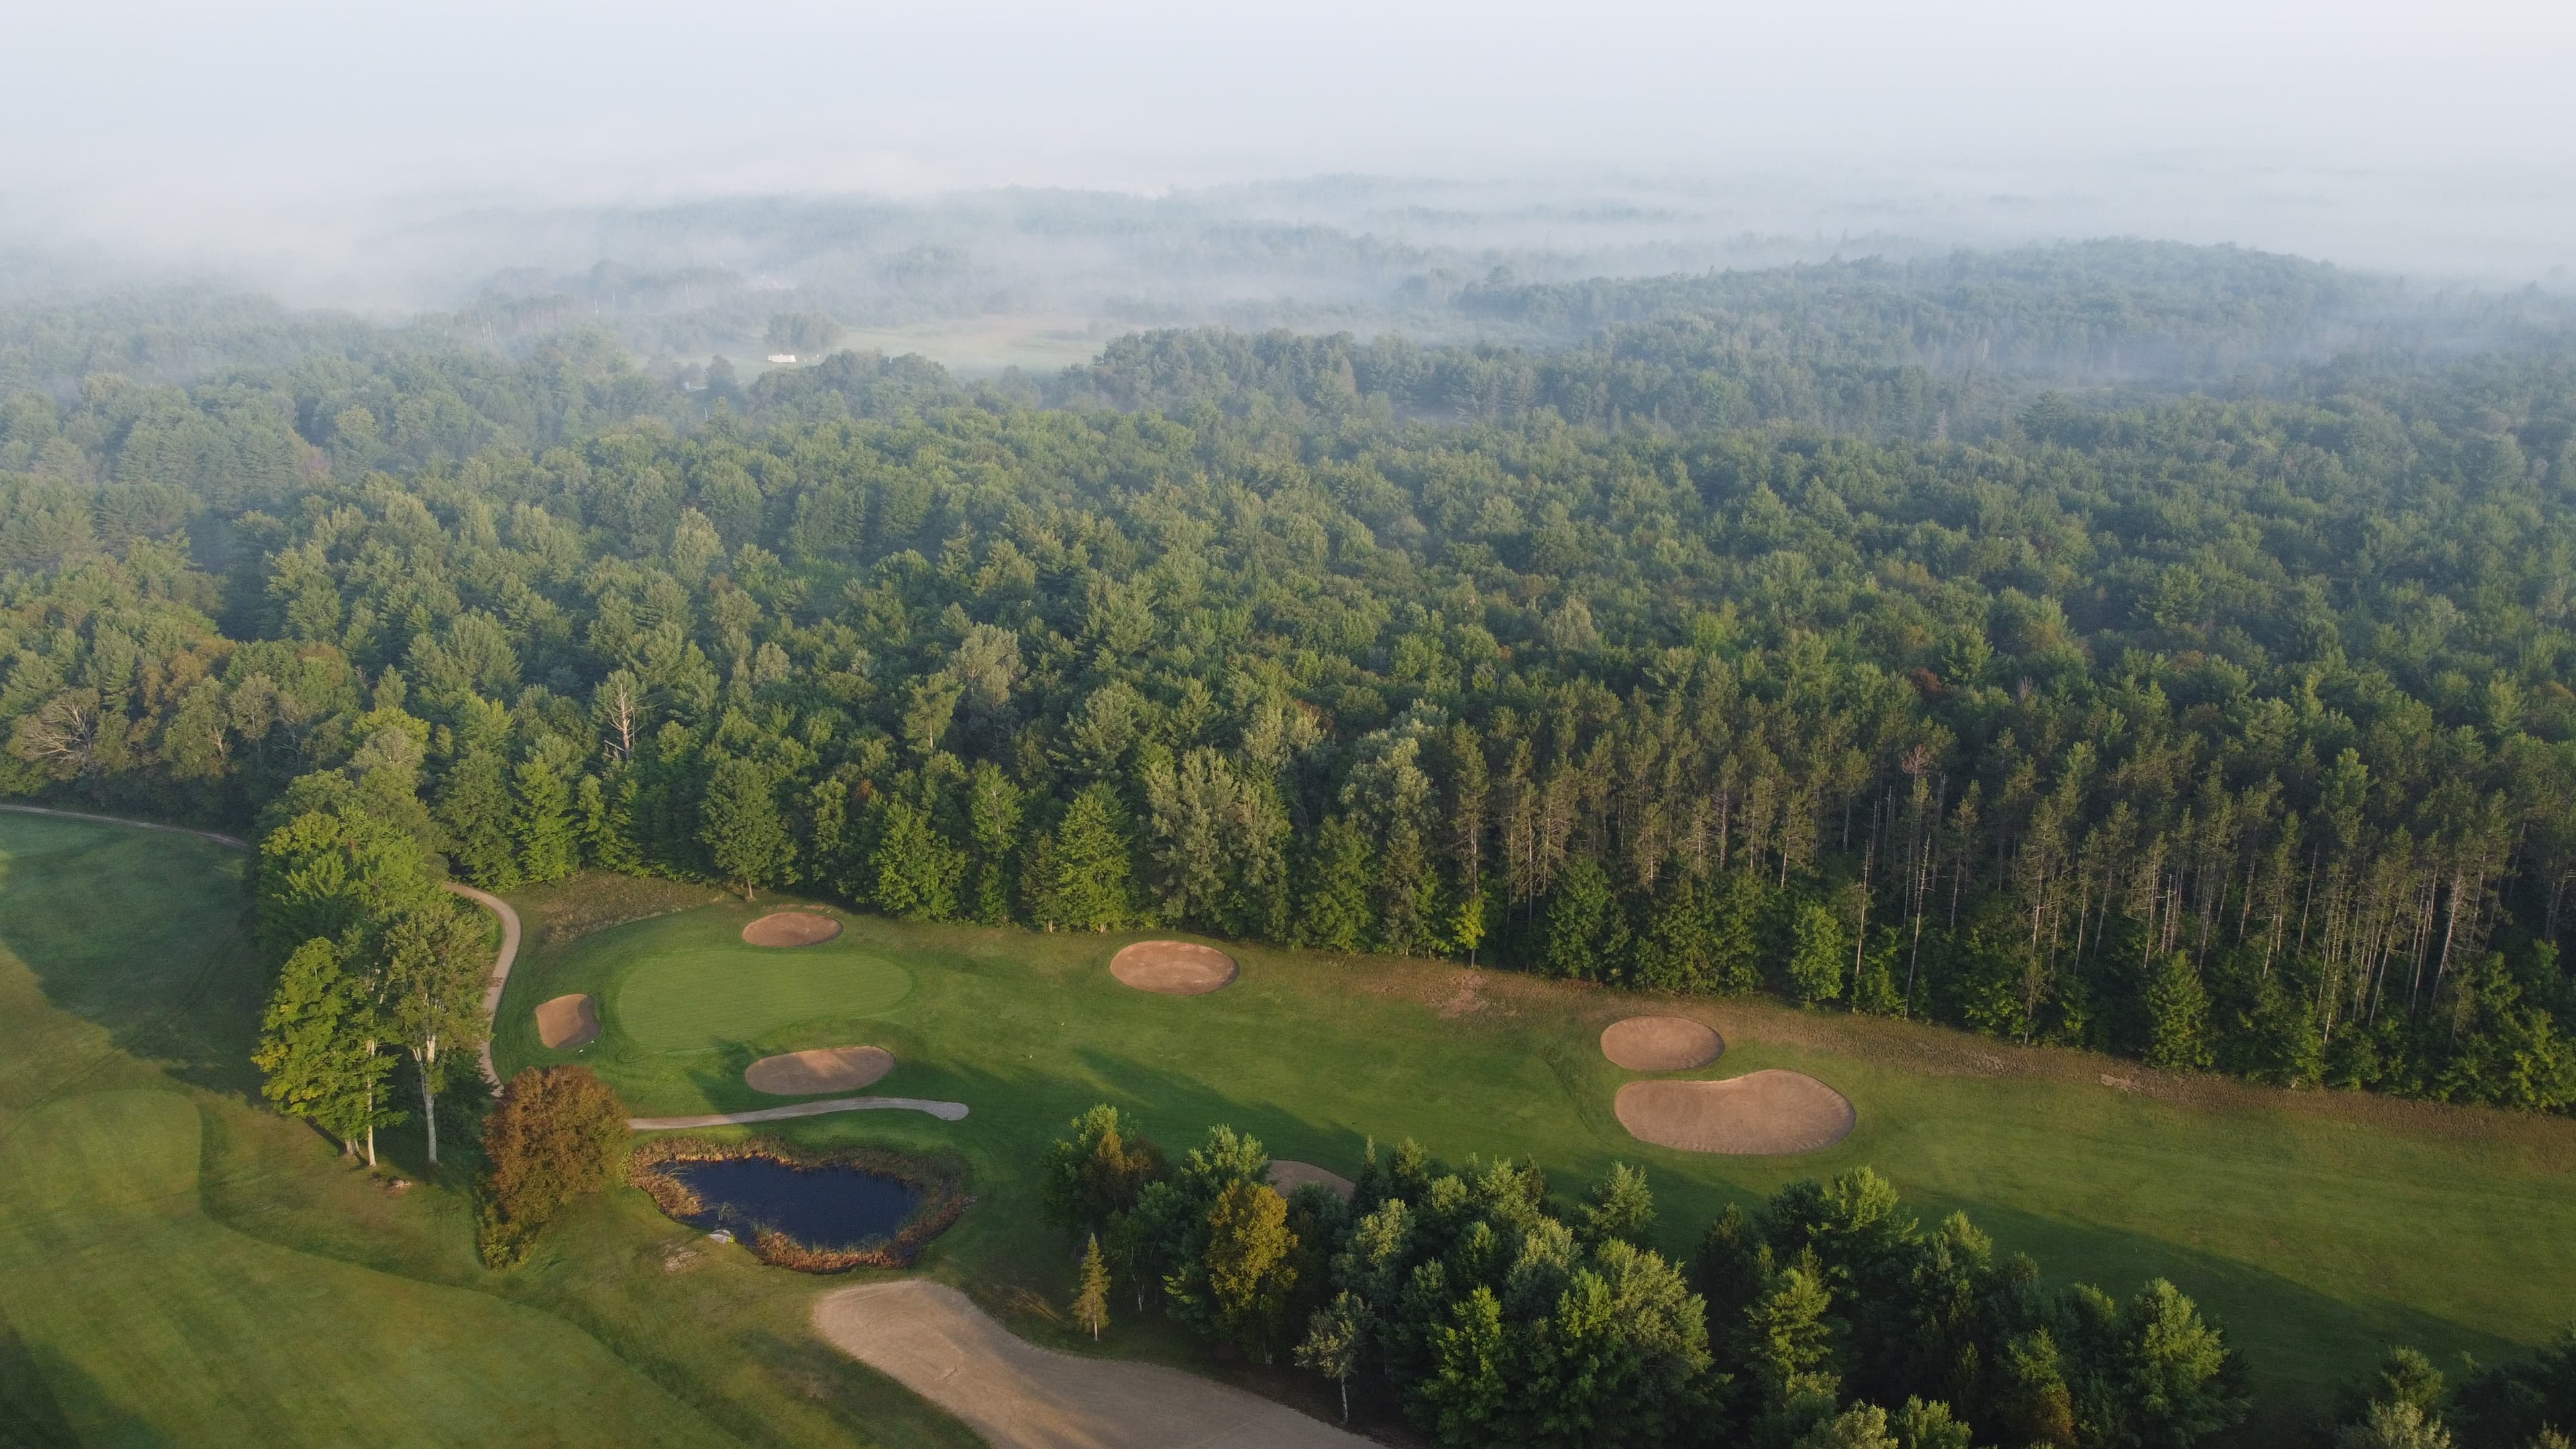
[[1819, 955], [741, 829], [474, 808], [1089, 880], [913, 871], [607, 810], [1091, 1303], [549, 842], [994, 809], [1339, 878], [1585, 932], [2177, 1016]]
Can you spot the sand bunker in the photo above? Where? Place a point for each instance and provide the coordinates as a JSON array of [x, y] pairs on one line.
[[929, 1338], [568, 1023], [1661, 1044], [791, 928], [1289, 1176], [1173, 968], [1759, 1114], [824, 1069]]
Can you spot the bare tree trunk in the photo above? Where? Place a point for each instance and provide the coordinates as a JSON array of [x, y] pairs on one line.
[[428, 1098]]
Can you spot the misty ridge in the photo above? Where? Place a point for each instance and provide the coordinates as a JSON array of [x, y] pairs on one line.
[[1350, 297]]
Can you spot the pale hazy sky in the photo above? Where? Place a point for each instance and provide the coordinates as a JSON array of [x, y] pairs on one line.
[[172, 109], [1143, 91]]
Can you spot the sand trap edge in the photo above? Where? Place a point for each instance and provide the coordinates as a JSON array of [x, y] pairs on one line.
[[1661, 1043], [568, 1023], [1769, 1113], [791, 928], [1174, 968], [813, 1072]]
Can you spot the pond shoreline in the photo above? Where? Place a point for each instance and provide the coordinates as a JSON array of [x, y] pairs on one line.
[[939, 1187]]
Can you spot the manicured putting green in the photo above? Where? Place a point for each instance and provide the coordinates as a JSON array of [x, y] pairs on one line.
[[699, 998]]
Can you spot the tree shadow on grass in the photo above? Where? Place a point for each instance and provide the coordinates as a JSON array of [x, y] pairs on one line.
[[41, 1391]]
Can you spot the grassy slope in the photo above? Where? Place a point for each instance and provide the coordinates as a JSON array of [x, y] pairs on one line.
[[2317, 1227], [178, 1266]]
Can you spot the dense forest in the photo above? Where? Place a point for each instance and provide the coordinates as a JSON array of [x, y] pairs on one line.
[[2227, 732]]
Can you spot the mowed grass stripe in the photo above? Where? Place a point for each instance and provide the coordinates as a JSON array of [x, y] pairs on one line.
[[156, 1325], [706, 997]]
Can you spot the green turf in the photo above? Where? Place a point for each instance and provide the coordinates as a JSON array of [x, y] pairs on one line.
[[181, 1267], [711, 994], [2316, 1227]]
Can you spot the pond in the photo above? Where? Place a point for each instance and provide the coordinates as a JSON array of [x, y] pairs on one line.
[[819, 1207]]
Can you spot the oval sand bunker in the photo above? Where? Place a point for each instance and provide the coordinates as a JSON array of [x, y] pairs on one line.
[[568, 1023], [1661, 1044], [791, 928], [1759, 1114], [1173, 968], [824, 1069]]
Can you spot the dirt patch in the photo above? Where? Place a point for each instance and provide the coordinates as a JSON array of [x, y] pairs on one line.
[[1173, 968], [824, 1069], [1467, 1000], [568, 1023], [1288, 1176], [929, 1338], [791, 928], [1759, 1114], [1661, 1043]]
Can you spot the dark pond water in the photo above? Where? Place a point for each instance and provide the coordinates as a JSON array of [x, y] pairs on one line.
[[821, 1207]]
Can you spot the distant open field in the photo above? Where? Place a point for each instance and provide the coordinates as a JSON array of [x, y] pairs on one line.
[[178, 1265]]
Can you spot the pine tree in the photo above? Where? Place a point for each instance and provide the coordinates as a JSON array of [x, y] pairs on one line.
[[994, 809], [1339, 877], [607, 809], [1585, 931], [1819, 955], [913, 871], [317, 1049], [1408, 894], [474, 809], [549, 845], [1091, 1304], [2177, 1016], [1089, 880], [741, 829]]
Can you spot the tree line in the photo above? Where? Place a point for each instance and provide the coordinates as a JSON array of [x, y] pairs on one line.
[[1484, 1310]]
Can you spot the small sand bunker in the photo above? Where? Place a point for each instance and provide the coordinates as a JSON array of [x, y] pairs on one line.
[[1759, 1114], [1173, 968], [824, 1069], [568, 1023], [791, 928], [1288, 1176], [1661, 1044]]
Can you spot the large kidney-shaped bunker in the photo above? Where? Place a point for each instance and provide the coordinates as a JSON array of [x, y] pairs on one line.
[[1760, 1114]]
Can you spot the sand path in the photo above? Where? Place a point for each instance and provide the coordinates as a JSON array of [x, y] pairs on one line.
[[235, 841], [932, 1340], [500, 964], [944, 1111]]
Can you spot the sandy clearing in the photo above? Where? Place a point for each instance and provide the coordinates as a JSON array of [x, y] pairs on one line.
[[1661, 1044], [944, 1111], [1759, 1114], [568, 1023], [1173, 968], [791, 928], [1288, 1175], [932, 1340], [822, 1069]]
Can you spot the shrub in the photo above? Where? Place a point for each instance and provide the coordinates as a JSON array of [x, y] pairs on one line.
[[558, 1134]]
